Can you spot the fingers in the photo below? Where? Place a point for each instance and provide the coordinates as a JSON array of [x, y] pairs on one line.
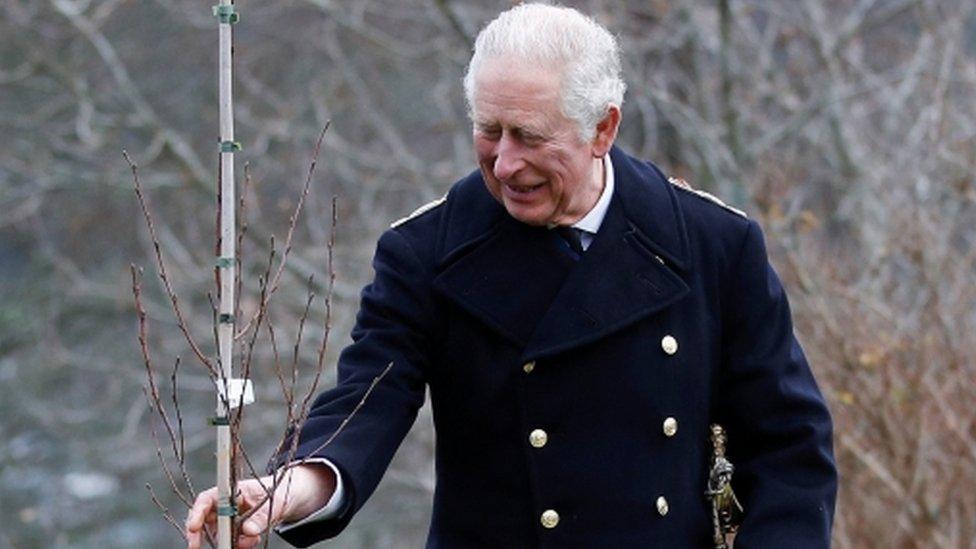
[[256, 502], [249, 534], [203, 511], [244, 540], [254, 526], [247, 542], [252, 493], [258, 518]]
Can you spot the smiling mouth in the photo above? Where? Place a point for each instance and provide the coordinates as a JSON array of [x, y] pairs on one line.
[[525, 189]]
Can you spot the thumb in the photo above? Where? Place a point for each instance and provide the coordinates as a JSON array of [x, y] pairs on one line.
[[255, 525]]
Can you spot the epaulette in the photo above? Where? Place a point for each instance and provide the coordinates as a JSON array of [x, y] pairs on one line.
[[683, 185], [425, 208]]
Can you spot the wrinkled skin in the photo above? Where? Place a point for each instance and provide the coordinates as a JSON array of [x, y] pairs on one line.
[[530, 154], [309, 489]]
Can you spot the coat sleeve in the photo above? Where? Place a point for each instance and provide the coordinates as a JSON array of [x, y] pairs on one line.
[[392, 327], [779, 428]]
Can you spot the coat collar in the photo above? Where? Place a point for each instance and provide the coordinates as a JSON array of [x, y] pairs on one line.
[[518, 280], [651, 206]]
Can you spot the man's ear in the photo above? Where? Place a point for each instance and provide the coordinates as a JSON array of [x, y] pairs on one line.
[[606, 131]]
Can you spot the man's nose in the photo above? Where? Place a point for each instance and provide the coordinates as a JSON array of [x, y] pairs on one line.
[[509, 159]]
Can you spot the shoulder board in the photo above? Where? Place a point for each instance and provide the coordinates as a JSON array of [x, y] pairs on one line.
[[419, 211], [684, 186]]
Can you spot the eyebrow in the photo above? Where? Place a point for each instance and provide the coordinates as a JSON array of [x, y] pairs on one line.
[[486, 125], [527, 130]]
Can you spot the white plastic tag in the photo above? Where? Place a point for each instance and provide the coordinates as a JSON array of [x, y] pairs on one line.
[[241, 391]]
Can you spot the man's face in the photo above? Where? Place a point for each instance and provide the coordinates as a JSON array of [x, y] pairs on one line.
[[529, 152]]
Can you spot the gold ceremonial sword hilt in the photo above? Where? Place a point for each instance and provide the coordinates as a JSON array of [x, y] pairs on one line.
[[726, 510]]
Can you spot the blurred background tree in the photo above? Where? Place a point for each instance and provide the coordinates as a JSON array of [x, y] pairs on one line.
[[846, 127]]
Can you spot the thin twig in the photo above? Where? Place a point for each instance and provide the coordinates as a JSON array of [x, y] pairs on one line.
[[276, 358], [181, 456], [261, 312], [161, 266], [176, 441], [174, 485], [242, 230], [298, 339], [166, 512], [327, 323], [289, 463], [352, 414], [292, 223]]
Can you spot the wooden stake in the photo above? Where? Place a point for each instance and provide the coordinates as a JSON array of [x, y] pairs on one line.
[[225, 328]]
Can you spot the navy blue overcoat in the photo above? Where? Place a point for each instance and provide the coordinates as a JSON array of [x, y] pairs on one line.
[[572, 398]]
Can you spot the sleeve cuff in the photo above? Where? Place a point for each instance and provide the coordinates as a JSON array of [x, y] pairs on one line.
[[333, 509]]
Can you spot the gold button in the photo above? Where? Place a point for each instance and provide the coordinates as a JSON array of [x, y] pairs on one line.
[[669, 344], [670, 427], [538, 438], [550, 518], [528, 367], [662, 506]]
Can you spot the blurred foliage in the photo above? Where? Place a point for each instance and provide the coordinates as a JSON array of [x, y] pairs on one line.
[[845, 126]]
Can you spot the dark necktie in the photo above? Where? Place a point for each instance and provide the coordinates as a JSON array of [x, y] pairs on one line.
[[572, 237]]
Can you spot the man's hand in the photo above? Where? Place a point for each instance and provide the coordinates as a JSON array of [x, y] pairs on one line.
[[301, 491]]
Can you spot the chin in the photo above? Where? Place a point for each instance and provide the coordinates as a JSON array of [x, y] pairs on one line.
[[533, 214], [527, 216]]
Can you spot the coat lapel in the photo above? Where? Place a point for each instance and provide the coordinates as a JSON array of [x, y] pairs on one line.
[[618, 281], [507, 278], [517, 280]]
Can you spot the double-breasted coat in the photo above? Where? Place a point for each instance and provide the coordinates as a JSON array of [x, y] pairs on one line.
[[572, 397]]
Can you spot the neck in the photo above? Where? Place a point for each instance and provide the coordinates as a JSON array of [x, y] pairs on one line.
[[598, 183]]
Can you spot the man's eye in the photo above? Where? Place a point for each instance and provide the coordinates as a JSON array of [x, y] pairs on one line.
[[490, 133]]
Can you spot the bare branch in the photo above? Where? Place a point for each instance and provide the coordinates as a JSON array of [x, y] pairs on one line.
[[161, 268]]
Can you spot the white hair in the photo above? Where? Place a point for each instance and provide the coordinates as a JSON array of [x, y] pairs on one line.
[[557, 36]]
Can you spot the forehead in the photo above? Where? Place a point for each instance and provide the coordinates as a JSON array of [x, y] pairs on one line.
[[514, 92]]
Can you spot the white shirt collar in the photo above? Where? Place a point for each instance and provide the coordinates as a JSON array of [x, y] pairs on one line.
[[591, 221]]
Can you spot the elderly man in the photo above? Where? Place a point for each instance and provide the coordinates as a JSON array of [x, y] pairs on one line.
[[581, 322]]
